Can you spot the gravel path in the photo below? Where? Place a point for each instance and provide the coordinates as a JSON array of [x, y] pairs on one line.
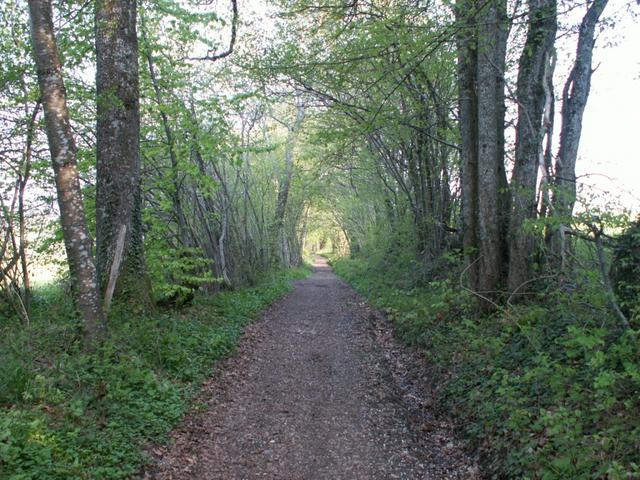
[[318, 390]]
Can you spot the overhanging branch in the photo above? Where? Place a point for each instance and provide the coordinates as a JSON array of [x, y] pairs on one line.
[[232, 42]]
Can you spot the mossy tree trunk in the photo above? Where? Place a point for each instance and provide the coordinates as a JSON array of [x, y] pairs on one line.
[[118, 197]]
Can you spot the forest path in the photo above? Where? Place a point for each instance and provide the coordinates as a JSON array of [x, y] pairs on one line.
[[318, 390]]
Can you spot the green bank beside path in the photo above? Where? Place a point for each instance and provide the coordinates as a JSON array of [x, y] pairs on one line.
[[548, 389], [67, 415]]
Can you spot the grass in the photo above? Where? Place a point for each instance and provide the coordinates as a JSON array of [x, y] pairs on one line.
[[66, 415], [548, 389]]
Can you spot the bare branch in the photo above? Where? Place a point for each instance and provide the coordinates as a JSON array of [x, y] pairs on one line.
[[232, 42]]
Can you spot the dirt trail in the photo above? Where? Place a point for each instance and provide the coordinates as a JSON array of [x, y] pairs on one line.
[[318, 390]]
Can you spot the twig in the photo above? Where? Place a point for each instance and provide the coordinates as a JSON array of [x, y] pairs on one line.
[[526, 283], [477, 294]]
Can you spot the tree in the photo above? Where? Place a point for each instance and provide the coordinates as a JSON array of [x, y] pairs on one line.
[[280, 240], [63, 155], [119, 243], [482, 49], [467, 107], [534, 71], [574, 100]]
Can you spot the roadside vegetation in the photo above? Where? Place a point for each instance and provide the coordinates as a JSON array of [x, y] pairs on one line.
[[548, 388], [69, 414]]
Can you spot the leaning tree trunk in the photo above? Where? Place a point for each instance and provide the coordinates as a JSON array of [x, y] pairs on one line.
[[120, 254], [533, 72], [574, 100], [23, 178], [492, 37], [63, 155]]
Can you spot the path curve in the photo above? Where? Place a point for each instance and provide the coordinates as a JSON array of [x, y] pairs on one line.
[[318, 390]]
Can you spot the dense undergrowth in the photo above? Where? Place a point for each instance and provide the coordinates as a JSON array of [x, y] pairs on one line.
[[547, 389], [66, 415]]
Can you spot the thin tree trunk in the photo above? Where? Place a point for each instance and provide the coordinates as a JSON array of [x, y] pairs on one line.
[[63, 155], [283, 190], [547, 155], [574, 100], [221, 246], [22, 185]]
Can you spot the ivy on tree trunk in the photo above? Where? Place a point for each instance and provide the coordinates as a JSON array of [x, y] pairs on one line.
[[118, 196]]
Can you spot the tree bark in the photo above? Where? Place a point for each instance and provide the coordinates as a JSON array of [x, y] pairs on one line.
[[574, 100], [492, 37], [118, 197], [283, 191], [533, 72], [467, 108], [63, 154]]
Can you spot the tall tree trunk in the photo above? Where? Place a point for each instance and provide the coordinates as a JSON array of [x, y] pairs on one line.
[[283, 189], [533, 72], [547, 154], [574, 100], [63, 154], [492, 37], [467, 108], [118, 197]]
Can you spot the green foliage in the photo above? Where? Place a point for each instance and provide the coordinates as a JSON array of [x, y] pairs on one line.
[[177, 273], [625, 270], [546, 390], [69, 415]]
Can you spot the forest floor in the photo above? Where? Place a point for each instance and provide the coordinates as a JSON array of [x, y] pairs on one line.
[[318, 389]]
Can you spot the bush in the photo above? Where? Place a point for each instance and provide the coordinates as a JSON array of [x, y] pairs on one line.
[[625, 271]]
